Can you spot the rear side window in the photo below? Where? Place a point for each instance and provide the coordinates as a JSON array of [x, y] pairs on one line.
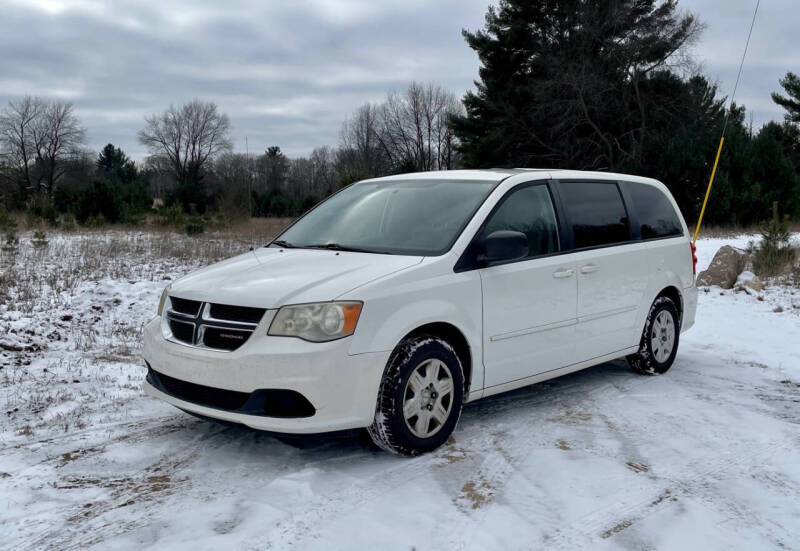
[[654, 211], [596, 213], [528, 210]]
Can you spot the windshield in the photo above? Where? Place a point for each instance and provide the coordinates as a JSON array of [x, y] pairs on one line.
[[414, 217]]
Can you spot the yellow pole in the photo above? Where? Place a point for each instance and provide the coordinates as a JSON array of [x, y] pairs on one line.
[[708, 191]]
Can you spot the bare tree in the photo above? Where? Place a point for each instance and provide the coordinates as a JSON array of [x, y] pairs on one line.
[[414, 131], [407, 132], [300, 178], [187, 137], [158, 170], [323, 160], [230, 183], [17, 122], [59, 137], [38, 139], [361, 144]]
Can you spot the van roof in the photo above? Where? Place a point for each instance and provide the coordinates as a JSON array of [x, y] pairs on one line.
[[498, 174]]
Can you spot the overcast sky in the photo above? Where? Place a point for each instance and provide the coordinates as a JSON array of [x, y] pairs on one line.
[[287, 73]]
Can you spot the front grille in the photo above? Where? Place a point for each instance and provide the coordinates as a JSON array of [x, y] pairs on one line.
[[218, 326]]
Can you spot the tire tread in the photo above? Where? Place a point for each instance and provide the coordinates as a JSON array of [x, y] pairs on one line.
[[643, 362], [381, 431]]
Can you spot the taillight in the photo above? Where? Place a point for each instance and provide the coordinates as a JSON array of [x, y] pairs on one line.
[[694, 258]]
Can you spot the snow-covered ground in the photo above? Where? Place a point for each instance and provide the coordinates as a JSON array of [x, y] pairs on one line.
[[704, 457]]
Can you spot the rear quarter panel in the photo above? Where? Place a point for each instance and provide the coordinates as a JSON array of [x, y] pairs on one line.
[[670, 262]]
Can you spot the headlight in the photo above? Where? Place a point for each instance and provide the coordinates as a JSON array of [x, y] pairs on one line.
[[324, 321], [163, 300]]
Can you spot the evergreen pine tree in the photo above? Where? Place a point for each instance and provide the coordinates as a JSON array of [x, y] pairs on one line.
[[561, 82]]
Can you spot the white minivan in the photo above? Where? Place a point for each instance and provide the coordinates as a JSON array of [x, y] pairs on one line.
[[397, 300]]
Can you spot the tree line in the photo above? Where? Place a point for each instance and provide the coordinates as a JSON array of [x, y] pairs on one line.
[[192, 167], [581, 84]]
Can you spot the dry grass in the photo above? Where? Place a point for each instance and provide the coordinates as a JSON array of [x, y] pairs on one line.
[[121, 252], [721, 231], [42, 276], [243, 228], [71, 312], [732, 231]]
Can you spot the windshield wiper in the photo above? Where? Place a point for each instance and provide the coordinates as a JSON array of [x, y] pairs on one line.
[[284, 244], [337, 247]]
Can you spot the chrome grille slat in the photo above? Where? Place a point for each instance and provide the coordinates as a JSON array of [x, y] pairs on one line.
[[208, 331]]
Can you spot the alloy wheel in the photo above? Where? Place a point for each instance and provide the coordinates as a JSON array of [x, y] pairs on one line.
[[428, 398], [662, 337]]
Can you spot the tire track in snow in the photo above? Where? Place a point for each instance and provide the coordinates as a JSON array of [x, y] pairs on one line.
[[303, 524], [87, 527], [96, 440], [508, 451], [90, 431], [498, 468], [306, 522], [633, 506]]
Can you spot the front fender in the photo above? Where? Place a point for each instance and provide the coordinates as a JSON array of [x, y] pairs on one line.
[[408, 318], [393, 311]]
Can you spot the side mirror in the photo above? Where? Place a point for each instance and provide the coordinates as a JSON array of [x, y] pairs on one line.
[[503, 245]]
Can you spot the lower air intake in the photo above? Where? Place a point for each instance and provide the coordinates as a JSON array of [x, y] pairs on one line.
[[285, 404]]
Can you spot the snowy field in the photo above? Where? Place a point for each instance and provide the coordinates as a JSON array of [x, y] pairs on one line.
[[704, 457]]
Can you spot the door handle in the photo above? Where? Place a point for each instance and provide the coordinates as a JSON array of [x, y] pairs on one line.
[[589, 268], [561, 274]]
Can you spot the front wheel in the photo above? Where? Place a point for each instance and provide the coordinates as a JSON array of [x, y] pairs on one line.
[[420, 397], [659, 343]]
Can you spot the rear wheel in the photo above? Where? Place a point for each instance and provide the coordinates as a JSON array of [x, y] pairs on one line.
[[420, 397], [659, 343]]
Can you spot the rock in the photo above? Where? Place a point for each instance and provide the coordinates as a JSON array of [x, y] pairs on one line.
[[724, 268]]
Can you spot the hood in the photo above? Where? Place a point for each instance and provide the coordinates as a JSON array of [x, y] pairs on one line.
[[270, 277]]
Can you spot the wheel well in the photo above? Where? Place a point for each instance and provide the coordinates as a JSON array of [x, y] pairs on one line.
[[455, 338], [675, 295]]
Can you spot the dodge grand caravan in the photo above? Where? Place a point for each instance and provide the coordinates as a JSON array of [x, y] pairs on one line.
[[397, 300]]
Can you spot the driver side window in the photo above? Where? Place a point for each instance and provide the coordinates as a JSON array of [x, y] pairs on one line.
[[528, 210]]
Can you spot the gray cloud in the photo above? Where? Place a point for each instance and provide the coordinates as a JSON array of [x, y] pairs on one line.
[[287, 73], [773, 49]]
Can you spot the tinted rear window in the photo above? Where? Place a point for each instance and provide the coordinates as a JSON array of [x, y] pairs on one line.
[[656, 215], [596, 213]]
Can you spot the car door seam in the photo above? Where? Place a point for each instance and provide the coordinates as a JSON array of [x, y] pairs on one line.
[[606, 313], [534, 329]]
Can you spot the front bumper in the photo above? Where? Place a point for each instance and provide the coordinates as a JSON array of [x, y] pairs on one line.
[[342, 388]]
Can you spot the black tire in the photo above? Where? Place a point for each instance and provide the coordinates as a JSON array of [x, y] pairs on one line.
[[645, 361], [389, 430]]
